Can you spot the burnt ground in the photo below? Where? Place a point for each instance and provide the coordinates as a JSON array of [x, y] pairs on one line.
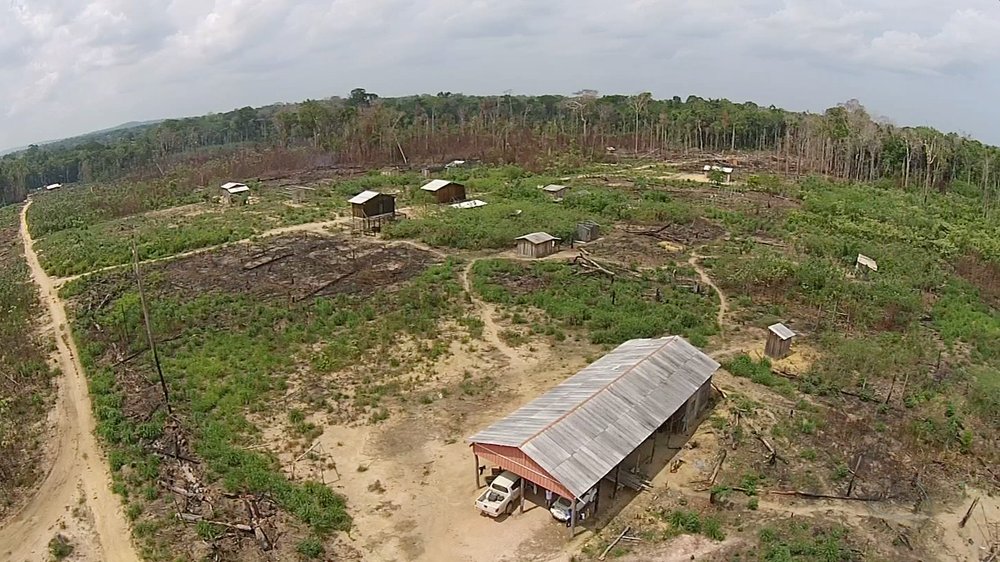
[[299, 267], [653, 245]]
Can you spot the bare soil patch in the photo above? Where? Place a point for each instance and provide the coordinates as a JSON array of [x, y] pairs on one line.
[[298, 267]]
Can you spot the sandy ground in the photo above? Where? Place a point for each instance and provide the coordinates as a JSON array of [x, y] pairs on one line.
[[79, 479]]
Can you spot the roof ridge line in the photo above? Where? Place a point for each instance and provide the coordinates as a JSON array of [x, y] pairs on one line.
[[598, 391]]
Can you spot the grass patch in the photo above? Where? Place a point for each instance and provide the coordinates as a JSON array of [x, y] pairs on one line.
[[611, 314]]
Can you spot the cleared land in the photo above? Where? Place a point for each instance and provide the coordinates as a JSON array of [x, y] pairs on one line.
[[322, 384]]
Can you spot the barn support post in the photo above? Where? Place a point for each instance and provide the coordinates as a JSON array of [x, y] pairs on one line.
[[572, 518], [524, 492], [653, 452], [478, 485], [618, 470], [597, 496]]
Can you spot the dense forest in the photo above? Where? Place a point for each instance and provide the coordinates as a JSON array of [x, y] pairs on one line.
[[843, 142]]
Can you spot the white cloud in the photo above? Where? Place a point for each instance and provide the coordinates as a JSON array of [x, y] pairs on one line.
[[71, 65]]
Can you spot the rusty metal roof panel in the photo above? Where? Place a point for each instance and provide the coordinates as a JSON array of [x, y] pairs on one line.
[[585, 426]]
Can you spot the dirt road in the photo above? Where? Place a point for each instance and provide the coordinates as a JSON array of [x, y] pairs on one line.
[[79, 464]]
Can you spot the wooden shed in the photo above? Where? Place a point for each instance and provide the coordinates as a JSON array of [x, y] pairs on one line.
[[588, 231], [235, 193], [370, 209], [445, 191], [779, 341], [537, 245], [556, 192], [581, 432]]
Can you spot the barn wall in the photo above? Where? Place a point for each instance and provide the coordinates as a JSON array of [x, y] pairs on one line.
[[514, 460]]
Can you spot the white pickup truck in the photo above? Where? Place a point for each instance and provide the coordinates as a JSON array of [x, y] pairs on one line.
[[501, 495]]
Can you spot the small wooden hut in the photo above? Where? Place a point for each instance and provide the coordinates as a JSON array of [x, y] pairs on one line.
[[556, 192], [445, 191], [537, 245], [779, 341], [235, 193], [370, 209], [587, 231]]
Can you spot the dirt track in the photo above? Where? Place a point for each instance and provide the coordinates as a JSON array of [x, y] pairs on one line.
[[79, 464]]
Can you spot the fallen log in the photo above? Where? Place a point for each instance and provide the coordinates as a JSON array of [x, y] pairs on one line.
[[718, 466], [721, 392], [968, 513], [181, 491], [195, 518], [810, 495], [614, 543]]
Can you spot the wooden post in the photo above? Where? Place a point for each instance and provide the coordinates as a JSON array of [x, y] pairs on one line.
[[572, 518], [149, 329], [653, 452], [618, 470], [597, 497], [478, 485], [524, 492]]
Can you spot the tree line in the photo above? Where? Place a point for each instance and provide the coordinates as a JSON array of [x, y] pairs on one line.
[[363, 128]]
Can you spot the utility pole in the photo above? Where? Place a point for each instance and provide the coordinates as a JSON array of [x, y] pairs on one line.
[[149, 329]]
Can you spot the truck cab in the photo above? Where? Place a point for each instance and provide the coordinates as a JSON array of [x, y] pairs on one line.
[[501, 494]]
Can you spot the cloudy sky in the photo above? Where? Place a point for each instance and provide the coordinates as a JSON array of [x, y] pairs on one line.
[[72, 66]]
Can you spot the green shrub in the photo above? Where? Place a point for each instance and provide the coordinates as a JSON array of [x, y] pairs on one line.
[[310, 548]]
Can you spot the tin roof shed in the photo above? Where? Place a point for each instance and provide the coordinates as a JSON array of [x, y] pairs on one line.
[[436, 185], [363, 197], [576, 433], [538, 237], [782, 331]]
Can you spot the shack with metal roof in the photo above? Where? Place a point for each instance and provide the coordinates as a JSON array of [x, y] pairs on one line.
[[556, 192], [370, 209], [445, 191], [537, 245], [779, 341], [235, 192], [579, 433]]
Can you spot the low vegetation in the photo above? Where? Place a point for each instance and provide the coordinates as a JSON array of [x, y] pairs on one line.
[[611, 313], [25, 378], [226, 357]]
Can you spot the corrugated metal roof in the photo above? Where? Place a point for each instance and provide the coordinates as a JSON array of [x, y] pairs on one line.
[[238, 189], [782, 331], [723, 169], [585, 426], [231, 185], [867, 262], [538, 237], [555, 188], [475, 203], [435, 185], [363, 197]]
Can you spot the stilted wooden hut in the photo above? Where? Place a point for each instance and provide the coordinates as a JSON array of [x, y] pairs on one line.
[[370, 209]]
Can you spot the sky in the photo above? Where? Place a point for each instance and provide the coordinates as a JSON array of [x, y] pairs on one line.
[[72, 66]]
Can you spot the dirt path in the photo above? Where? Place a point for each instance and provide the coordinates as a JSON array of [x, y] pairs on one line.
[[491, 332], [723, 301], [79, 463]]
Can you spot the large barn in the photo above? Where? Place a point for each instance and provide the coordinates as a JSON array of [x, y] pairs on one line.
[[572, 437]]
